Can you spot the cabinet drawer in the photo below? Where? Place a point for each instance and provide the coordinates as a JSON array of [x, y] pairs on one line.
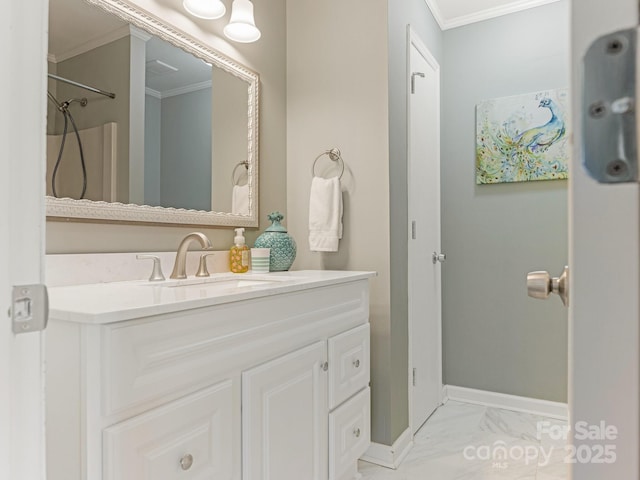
[[349, 433], [348, 364], [196, 437]]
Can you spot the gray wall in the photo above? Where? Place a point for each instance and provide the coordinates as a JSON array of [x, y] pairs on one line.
[[152, 149], [107, 68], [495, 337], [185, 180], [267, 57], [402, 13]]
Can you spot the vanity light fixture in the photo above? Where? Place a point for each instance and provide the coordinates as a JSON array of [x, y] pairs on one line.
[[208, 9], [242, 26]]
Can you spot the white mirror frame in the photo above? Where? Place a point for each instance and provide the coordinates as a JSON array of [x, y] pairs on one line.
[[91, 211]]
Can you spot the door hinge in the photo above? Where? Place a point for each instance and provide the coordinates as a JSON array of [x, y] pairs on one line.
[[413, 230], [414, 377], [29, 310], [610, 153], [413, 80]]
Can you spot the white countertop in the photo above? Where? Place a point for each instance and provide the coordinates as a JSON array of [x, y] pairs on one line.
[[102, 303]]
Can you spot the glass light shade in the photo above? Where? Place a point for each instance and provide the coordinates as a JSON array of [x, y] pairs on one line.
[[208, 9], [242, 27]]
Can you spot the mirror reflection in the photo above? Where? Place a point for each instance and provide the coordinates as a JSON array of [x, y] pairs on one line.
[[156, 126]]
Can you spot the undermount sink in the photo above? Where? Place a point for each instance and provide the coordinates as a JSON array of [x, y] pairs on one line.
[[225, 282]]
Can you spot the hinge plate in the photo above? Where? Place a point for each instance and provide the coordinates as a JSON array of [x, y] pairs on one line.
[[610, 151], [29, 308]]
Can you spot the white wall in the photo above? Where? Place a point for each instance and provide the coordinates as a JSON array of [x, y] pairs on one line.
[[229, 136], [337, 96]]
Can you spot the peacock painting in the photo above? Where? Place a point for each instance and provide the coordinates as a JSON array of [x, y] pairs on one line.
[[522, 138]]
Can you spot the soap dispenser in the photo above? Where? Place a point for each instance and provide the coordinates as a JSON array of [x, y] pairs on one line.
[[239, 253]]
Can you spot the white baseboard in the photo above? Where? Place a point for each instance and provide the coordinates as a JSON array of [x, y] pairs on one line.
[[390, 456], [534, 406]]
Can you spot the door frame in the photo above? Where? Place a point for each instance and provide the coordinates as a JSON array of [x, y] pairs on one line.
[[23, 46], [413, 39], [604, 251]]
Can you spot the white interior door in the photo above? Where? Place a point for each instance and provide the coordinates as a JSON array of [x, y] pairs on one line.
[[605, 284], [23, 26], [424, 237]]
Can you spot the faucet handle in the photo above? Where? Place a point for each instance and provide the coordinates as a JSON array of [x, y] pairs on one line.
[[202, 268], [156, 274]]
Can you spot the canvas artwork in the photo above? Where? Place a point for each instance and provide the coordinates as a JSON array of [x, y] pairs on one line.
[[522, 138]]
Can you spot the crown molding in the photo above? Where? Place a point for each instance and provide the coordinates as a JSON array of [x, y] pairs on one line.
[[153, 93], [513, 7], [435, 11], [186, 89], [194, 87], [124, 31]]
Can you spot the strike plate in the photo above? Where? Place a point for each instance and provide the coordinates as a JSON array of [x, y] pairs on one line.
[[29, 308], [609, 114]]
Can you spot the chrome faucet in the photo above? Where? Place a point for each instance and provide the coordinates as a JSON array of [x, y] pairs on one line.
[[180, 265]]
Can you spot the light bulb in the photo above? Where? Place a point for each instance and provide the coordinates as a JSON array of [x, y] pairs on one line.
[[208, 9], [242, 26]]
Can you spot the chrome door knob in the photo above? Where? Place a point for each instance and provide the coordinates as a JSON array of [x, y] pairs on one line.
[[438, 257], [540, 285]]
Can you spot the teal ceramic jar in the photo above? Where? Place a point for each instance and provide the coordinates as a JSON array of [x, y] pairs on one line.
[[282, 245]]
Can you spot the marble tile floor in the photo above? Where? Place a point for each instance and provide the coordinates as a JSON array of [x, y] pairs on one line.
[[462, 441]]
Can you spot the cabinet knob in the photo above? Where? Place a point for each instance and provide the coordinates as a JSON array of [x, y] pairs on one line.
[[356, 363], [325, 366], [356, 432], [186, 462]]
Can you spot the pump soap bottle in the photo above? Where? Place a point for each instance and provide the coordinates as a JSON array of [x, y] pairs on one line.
[[239, 253]]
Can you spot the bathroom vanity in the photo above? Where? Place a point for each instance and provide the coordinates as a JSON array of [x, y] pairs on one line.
[[246, 377]]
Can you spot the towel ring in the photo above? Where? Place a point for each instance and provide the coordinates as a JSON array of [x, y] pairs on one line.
[[233, 174], [335, 156]]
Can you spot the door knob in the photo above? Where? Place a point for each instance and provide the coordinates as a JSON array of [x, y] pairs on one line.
[[540, 285], [438, 257]]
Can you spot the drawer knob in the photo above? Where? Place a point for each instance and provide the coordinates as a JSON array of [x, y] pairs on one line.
[[186, 462], [356, 363], [356, 432]]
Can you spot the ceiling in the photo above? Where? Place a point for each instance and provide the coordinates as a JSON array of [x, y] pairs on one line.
[[76, 27], [456, 13]]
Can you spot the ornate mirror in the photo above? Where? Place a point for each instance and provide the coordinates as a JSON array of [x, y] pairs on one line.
[[146, 124]]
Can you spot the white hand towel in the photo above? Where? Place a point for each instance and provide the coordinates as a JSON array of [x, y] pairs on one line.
[[325, 214], [240, 200]]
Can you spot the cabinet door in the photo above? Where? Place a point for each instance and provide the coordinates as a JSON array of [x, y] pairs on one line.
[[193, 438], [284, 417]]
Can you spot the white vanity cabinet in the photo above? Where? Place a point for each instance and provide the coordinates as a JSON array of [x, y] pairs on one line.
[[285, 403], [268, 387]]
